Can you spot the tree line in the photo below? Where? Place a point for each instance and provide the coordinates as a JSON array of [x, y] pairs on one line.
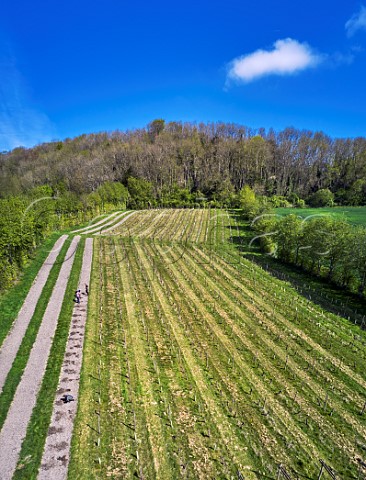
[[26, 220], [212, 160], [322, 245]]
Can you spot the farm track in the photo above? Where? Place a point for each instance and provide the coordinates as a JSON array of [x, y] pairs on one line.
[[12, 342], [101, 222], [106, 447], [55, 465], [109, 222], [14, 428], [125, 217]]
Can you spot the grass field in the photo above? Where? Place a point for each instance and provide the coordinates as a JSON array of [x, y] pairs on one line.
[[355, 215], [196, 366]]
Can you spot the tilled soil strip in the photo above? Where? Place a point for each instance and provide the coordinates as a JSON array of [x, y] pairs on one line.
[[15, 426], [14, 339], [56, 455], [104, 220], [102, 232]]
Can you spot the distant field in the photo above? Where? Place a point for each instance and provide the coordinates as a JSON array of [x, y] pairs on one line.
[[356, 215]]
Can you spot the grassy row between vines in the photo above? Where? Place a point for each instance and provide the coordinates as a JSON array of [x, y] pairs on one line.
[[179, 225], [198, 368]]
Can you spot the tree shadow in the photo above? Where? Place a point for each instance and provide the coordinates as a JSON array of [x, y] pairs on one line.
[[318, 290]]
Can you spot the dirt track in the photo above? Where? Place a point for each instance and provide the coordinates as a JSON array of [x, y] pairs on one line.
[[103, 230], [56, 454], [15, 426], [101, 222], [14, 339], [96, 230]]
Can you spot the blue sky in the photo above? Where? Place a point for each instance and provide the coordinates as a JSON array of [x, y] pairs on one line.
[[68, 68]]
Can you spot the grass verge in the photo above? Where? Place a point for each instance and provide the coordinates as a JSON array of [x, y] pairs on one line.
[[12, 300]]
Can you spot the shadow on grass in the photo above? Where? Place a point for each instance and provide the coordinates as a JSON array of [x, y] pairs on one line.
[[327, 295]]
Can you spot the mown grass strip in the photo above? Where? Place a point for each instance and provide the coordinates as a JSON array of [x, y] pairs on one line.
[[328, 425], [220, 300], [178, 399], [223, 425], [20, 362], [12, 300], [33, 444]]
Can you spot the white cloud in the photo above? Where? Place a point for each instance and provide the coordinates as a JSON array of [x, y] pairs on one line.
[[288, 57], [21, 123], [356, 22]]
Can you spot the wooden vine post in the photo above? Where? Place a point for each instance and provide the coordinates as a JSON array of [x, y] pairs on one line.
[[282, 473], [328, 469]]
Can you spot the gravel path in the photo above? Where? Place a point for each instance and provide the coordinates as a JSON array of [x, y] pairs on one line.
[[15, 426], [14, 338], [100, 229], [56, 455], [104, 220], [102, 232]]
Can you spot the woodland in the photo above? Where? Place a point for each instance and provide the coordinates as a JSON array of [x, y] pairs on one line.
[[216, 159]]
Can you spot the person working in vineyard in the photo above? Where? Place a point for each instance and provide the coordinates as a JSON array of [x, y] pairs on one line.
[[78, 296]]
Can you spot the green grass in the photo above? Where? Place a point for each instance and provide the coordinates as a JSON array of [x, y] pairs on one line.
[[202, 359], [217, 335], [33, 444], [12, 300], [355, 215], [20, 362]]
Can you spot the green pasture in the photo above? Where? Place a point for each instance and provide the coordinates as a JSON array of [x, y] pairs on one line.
[[355, 215]]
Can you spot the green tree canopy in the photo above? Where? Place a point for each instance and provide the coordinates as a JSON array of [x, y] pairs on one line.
[[322, 198]]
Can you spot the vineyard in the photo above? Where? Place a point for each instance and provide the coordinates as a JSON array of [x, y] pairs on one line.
[[183, 359], [209, 226], [199, 367]]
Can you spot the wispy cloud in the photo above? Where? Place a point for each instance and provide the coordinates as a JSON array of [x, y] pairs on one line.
[[21, 123], [286, 58], [356, 22]]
